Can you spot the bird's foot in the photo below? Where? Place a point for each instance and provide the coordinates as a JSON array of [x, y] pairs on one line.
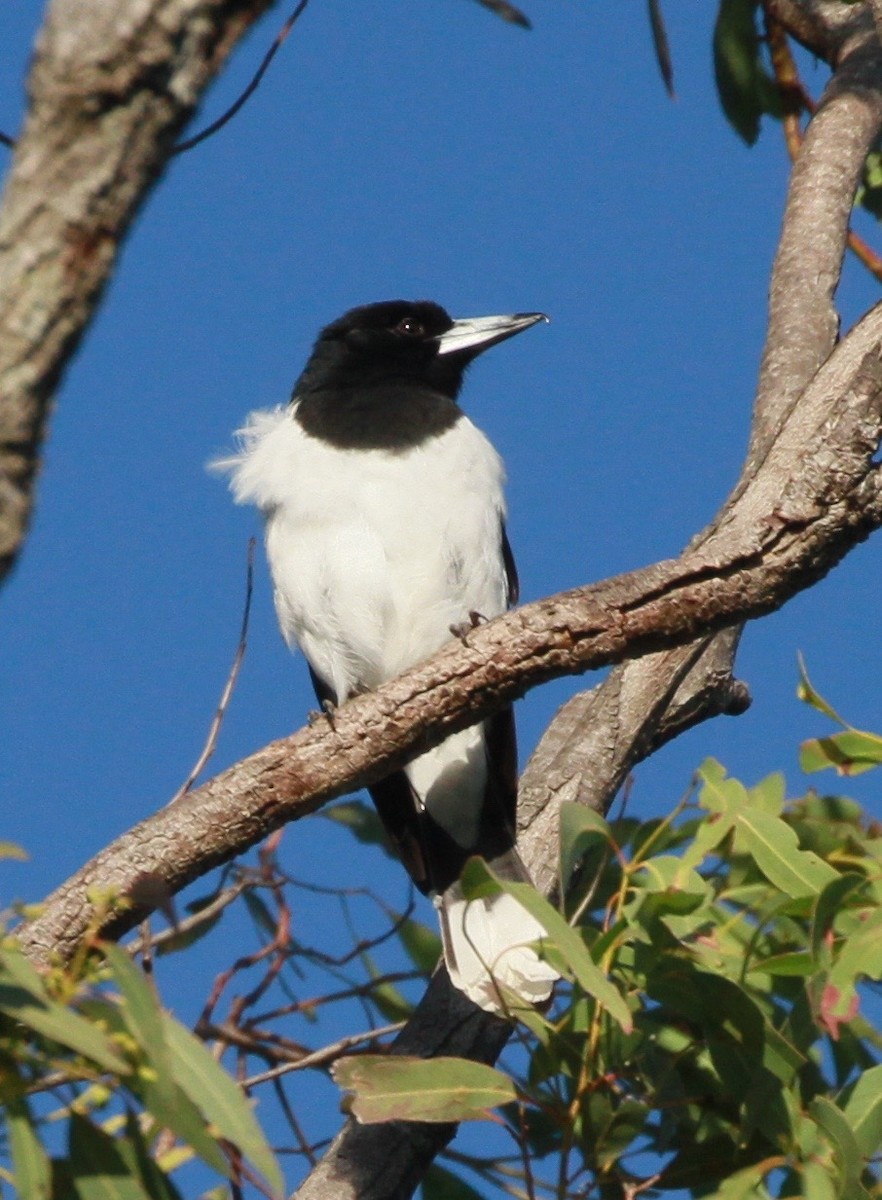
[[464, 628], [325, 713]]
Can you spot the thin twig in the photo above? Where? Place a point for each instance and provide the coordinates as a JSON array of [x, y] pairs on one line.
[[355, 992], [210, 130], [217, 905], [326, 1055], [218, 720], [291, 1117]]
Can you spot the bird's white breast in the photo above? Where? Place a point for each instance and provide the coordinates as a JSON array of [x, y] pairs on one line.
[[374, 555]]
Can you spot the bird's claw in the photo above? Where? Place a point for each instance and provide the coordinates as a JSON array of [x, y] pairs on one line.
[[325, 713], [464, 628]]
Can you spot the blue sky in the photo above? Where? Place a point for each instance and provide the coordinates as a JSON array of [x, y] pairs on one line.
[[419, 150]]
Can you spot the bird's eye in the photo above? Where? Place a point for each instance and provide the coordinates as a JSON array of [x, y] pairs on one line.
[[410, 327]]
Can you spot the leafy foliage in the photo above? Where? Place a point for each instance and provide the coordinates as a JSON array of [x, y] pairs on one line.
[[125, 1075], [743, 932]]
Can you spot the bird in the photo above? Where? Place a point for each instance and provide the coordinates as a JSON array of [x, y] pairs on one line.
[[385, 532]]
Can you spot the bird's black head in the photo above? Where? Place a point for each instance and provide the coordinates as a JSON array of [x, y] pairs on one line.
[[403, 340], [388, 374]]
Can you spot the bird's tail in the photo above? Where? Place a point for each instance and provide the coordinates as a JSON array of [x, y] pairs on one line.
[[488, 944]]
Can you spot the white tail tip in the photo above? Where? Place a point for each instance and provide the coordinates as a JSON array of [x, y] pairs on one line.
[[488, 953]]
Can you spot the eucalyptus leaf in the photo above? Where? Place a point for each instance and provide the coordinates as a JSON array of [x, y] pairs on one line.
[[393, 1087], [220, 1099]]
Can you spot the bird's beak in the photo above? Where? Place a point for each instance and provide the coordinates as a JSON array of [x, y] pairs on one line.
[[475, 334]]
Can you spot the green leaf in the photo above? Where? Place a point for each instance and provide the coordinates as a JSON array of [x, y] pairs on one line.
[[142, 1015], [790, 964], [661, 45], [183, 940], [98, 1166], [177, 1112], [719, 794], [137, 1152], [392, 1087], [30, 1162], [862, 953], [774, 847], [361, 820], [140, 1005], [849, 753], [478, 880], [157, 1088], [816, 1182], [667, 873], [11, 850], [580, 828], [421, 944], [391, 1003], [863, 1111], [23, 997], [220, 1099], [441, 1184], [769, 794], [832, 1120], [744, 86], [745, 1184], [807, 694], [829, 904], [869, 192], [259, 913]]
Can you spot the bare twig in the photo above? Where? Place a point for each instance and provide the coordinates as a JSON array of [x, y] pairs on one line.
[[190, 924], [215, 126], [328, 1054], [211, 741]]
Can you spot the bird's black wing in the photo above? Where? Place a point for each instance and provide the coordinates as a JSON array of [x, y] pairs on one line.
[[513, 586]]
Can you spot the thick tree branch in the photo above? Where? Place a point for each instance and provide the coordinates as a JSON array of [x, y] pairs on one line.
[[111, 87], [803, 322], [599, 736], [824, 27]]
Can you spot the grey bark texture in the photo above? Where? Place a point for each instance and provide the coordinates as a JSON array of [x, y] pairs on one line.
[[110, 89]]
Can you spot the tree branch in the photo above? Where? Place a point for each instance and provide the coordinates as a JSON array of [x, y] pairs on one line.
[[803, 322], [111, 88]]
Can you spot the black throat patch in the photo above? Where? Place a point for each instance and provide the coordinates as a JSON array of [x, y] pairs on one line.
[[387, 416]]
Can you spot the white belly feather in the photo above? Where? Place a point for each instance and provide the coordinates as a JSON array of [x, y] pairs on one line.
[[374, 556]]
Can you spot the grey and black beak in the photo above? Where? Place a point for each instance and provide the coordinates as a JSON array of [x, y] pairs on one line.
[[471, 335]]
